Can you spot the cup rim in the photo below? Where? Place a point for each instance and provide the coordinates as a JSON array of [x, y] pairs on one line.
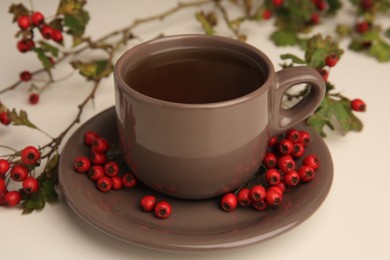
[[186, 38]]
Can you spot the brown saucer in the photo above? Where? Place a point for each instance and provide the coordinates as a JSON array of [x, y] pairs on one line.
[[194, 226]]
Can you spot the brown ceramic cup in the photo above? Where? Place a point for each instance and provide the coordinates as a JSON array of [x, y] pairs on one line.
[[195, 112]]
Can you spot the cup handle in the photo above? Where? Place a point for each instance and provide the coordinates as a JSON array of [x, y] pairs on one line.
[[283, 119]]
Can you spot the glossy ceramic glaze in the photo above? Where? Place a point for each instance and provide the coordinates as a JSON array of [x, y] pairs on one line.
[[196, 226], [198, 151]]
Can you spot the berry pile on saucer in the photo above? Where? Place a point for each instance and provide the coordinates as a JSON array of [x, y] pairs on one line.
[[279, 173]]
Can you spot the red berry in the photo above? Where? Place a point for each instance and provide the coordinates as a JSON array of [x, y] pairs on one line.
[[285, 146], [229, 202], [37, 18], [162, 210], [291, 178], [257, 193], [30, 185], [57, 36], [81, 164], [12, 198], [25, 76], [104, 184], [362, 27], [267, 14], [331, 60], [293, 135], [23, 46], [47, 32], [280, 186], [324, 73], [98, 158], [312, 161], [19, 172], [24, 22], [273, 141], [272, 176], [298, 150], [116, 182], [243, 197], [100, 145], [148, 203], [128, 180], [111, 168], [320, 4], [95, 172], [4, 119], [30, 44], [315, 18], [31, 155], [3, 186], [277, 189], [4, 167], [306, 173], [259, 205], [286, 163], [89, 136], [305, 138], [366, 4], [273, 198], [33, 98], [270, 160], [277, 3], [358, 105]]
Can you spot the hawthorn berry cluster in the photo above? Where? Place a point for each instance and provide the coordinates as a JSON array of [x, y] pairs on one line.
[[281, 173], [161, 209], [20, 171], [106, 173]]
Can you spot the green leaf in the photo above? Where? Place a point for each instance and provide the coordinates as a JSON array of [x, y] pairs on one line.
[[94, 70], [293, 58], [380, 50], [333, 6], [46, 63], [207, 27], [318, 48], [285, 38], [387, 33], [46, 47], [20, 118], [17, 10]]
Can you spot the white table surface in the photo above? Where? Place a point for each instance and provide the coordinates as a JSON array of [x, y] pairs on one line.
[[352, 223]]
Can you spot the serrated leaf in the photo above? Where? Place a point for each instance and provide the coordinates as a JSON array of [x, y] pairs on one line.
[[20, 118], [46, 63], [293, 58], [56, 24], [207, 27], [76, 24], [46, 47], [285, 38], [94, 70], [17, 10]]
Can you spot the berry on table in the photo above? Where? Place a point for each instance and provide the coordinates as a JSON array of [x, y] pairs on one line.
[[162, 210], [306, 173], [30, 155], [24, 22], [19, 172], [95, 172], [4, 167], [37, 18], [148, 203], [81, 164], [358, 105], [12, 198], [312, 161], [116, 182], [128, 180], [257, 193], [229, 202], [243, 197], [104, 184], [30, 185]]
